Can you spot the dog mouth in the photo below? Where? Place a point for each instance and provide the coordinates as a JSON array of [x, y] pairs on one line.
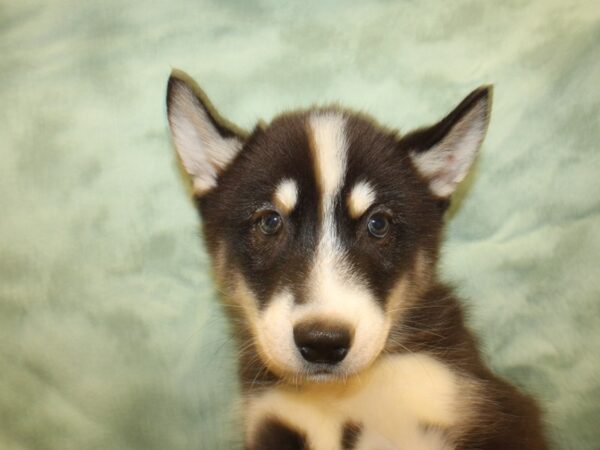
[[320, 373]]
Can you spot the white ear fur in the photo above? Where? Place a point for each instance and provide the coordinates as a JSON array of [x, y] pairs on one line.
[[204, 148], [447, 162]]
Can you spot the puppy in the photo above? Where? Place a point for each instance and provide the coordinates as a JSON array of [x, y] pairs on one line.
[[324, 230]]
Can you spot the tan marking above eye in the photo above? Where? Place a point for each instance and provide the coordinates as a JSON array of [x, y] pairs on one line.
[[360, 199], [286, 195]]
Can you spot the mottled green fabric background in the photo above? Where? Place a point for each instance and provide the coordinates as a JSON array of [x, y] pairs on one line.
[[110, 335]]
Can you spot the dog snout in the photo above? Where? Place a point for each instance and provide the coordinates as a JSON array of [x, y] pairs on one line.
[[322, 343]]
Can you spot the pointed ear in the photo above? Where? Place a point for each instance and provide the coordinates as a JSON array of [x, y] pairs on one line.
[[205, 142], [444, 152]]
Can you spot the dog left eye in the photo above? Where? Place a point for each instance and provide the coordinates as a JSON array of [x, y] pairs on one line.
[[270, 223], [378, 225]]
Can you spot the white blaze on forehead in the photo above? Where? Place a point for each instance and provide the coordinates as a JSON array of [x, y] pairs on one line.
[[360, 199], [330, 148], [286, 195]]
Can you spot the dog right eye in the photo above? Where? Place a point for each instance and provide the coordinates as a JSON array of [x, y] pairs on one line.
[[270, 223], [378, 225]]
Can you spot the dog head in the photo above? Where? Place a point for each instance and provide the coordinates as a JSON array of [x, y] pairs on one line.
[[324, 227]]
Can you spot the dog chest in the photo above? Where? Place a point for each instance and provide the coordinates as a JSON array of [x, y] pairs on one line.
[[403, 401]]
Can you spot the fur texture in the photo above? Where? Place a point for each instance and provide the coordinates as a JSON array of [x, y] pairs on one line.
[[324, 229]]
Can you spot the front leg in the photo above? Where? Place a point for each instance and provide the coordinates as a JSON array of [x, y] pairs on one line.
[[272, 434], [515, 423]]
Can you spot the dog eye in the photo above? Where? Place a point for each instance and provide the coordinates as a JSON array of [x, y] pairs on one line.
[[378, 225], [270, 223]]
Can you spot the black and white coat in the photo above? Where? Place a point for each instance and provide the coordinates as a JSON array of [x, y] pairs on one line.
[[324, 230]]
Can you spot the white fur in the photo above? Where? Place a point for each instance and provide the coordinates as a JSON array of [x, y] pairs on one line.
[[339, 297], [392, 400], [286, 195], [337, 301], [446, 164], [274, 335], [330, 148], [417, 439], [202, 150], [361, 197]]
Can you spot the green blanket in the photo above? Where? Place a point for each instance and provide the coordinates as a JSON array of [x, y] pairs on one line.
[[110, 333]]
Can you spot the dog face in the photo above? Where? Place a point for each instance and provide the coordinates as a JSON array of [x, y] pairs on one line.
[[323, 226]]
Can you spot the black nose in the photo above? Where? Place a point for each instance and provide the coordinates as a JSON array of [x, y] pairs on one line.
[[322, 343]]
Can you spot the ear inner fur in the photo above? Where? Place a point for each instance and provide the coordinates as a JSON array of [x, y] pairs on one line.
[[443, 153], [205, 142]]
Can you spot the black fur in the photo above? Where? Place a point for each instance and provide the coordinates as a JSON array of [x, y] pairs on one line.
[[274, 435], [350, 435], [509, 420]]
